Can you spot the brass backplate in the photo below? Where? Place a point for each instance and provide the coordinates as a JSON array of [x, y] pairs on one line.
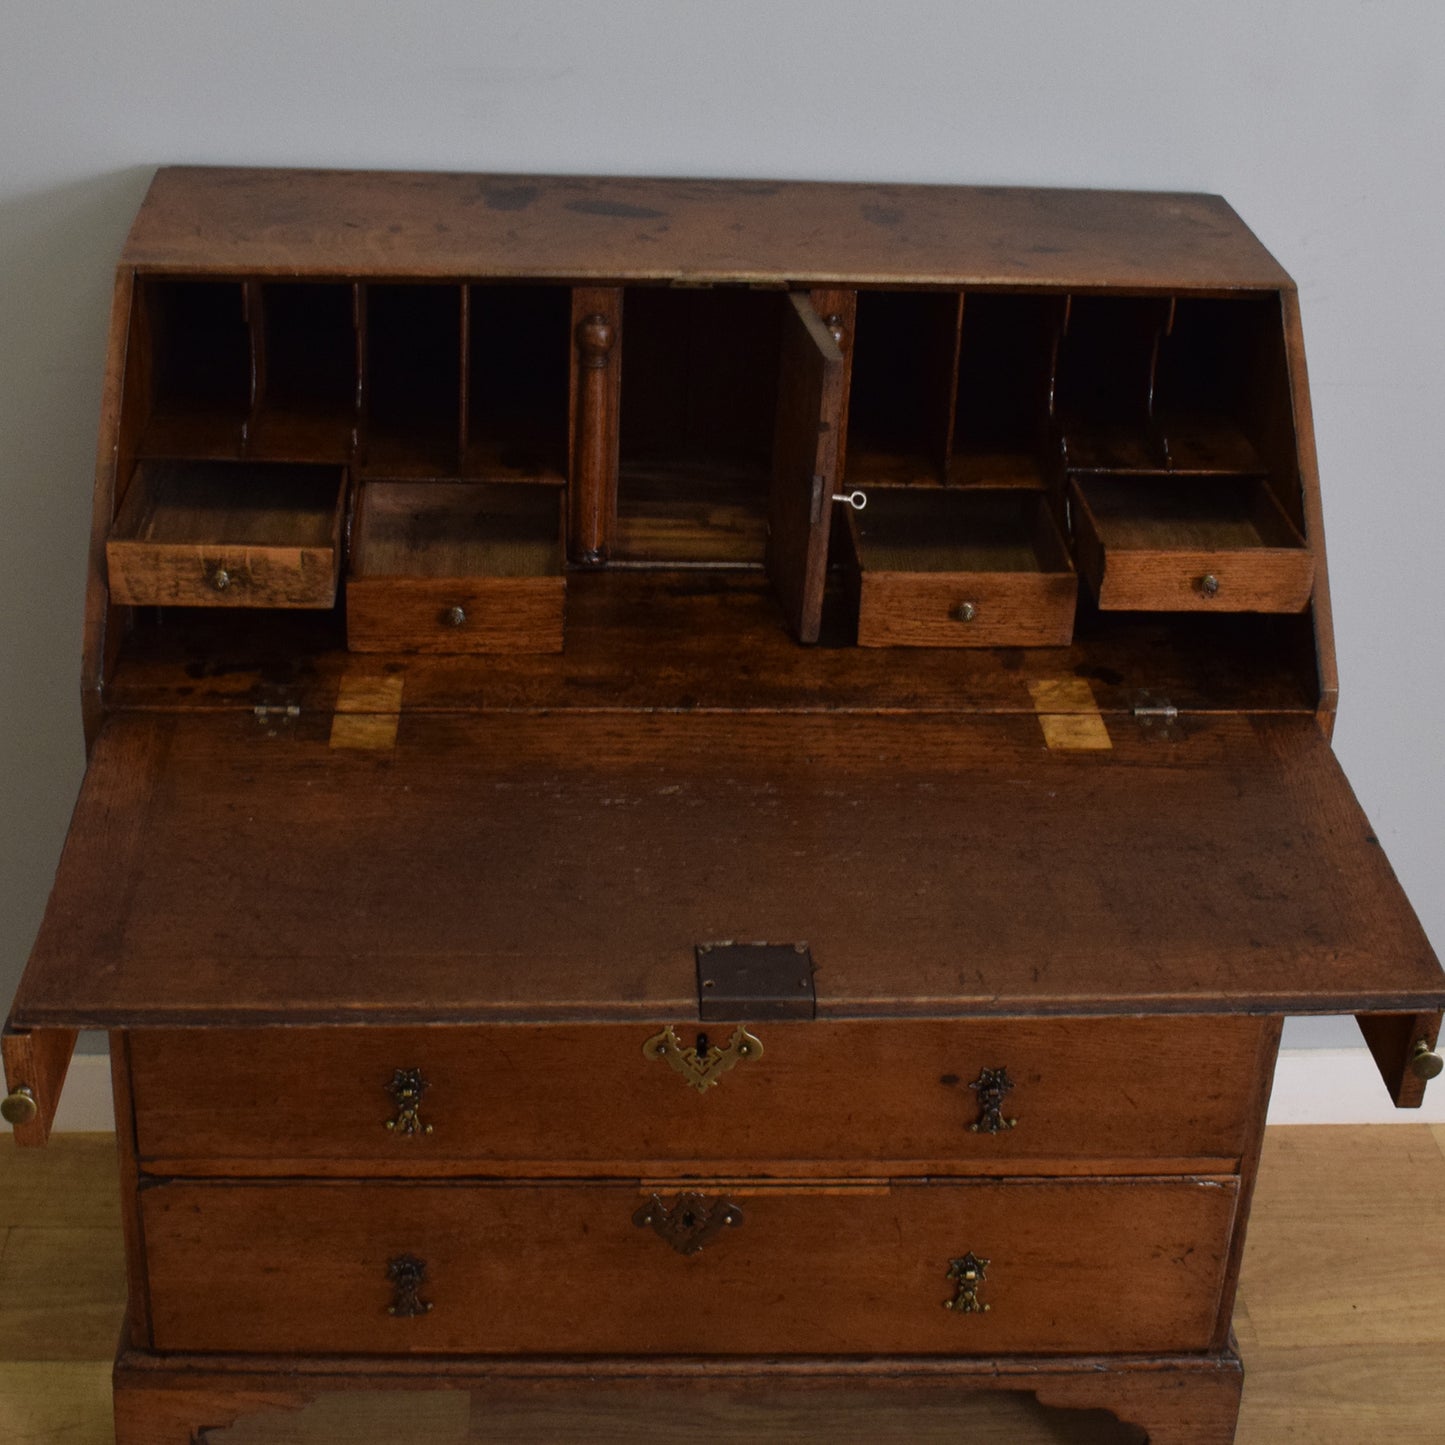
[[702, 1064]]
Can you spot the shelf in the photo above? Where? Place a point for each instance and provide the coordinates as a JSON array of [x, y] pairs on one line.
[[961, 568], [307, 374], [456, 567], [216, 534], [517, 382], [700, 386], [198, 354], [900, 409], [1166, 543], [1195, 386], [1007, 361], [412, 380], [1108, 354], [698, 516]]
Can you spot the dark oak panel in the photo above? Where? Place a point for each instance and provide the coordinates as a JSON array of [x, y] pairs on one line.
[[367, 223], [565, 1268], [584, 1099], [512, 867]]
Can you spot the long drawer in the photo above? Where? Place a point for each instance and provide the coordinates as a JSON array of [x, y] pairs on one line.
[[963, 1268], [871, 1098]]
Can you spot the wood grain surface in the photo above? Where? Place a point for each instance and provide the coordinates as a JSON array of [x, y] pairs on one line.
[[671, 641], [362, 223], [1377, 1373], [865, 1098], [1126, 1266], [508, 867]]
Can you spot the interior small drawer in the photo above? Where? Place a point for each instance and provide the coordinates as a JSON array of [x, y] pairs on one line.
[[842, 1097], [1188, 544], [456, 567], [938, 567], [227, 534], [980, 1268]]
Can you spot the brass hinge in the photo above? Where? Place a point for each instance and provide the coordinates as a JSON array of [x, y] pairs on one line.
[[1157, 717], [1164, 710]]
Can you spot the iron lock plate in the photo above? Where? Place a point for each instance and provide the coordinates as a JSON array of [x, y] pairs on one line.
[[754, 981]]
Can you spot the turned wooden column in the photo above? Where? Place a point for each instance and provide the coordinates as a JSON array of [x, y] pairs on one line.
[[596, 393]]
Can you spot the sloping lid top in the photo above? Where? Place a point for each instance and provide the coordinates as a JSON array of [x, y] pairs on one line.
[[391, 223], [225, 868]]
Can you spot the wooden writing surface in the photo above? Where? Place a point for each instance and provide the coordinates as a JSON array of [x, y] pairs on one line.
[[520, 866]]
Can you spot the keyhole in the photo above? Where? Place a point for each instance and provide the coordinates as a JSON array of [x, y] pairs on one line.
[[689, 1219], [702, 1046]]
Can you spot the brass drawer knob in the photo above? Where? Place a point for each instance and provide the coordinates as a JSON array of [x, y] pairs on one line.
[[689, 1221], [1426, 1064], [407, 1274], [406, 1089], [220, 579], [454, 617], [991, 1086], [965, 611], [704, 1063], [968, 1275], [19, 1106], [1209, 585]]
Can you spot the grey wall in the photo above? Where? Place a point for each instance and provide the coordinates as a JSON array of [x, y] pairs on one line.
[[1321, 121]]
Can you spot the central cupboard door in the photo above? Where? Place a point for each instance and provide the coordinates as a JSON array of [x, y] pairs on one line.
[[806, 454]]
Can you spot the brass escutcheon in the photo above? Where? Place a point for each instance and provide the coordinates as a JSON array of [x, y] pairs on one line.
[[406, 1089], [704, 1064], [690, 1221], [968, 1275]]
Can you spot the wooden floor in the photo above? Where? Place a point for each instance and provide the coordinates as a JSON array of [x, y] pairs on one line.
[[1341, 1320]]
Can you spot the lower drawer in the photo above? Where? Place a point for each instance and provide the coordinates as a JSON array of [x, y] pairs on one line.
[[1057, 1267]]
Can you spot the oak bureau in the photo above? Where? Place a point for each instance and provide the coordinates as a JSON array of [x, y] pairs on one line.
[[701, 785]]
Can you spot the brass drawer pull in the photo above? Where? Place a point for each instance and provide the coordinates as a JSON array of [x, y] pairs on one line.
[[691, 1220], [968, 1275], [406, 1089], [703, 1064], [407, 1274], [991, 1086]]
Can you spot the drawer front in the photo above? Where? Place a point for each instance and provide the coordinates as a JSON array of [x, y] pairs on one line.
[[394, 1268], [1188, 545], [227, 534], [455, 615], [1276, 580], [144, 574], [966, 609], [870, 1098]]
